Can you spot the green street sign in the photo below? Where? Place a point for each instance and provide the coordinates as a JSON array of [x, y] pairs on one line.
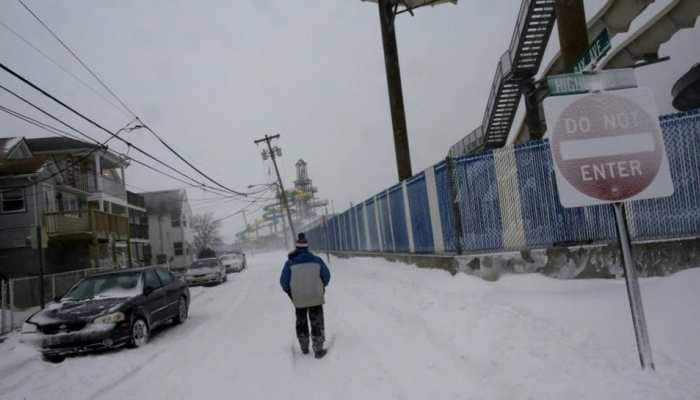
[[565, 84], [598, 49], [613, 79]]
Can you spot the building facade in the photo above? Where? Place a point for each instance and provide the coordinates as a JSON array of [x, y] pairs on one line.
[[69, 193], [170, 227]]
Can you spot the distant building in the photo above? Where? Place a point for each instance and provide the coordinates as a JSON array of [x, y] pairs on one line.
[[139, 242], [170, 227], [71, 189]]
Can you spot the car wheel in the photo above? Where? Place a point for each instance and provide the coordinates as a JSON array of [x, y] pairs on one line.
[[182, 311], [53, 358], [139, 332]]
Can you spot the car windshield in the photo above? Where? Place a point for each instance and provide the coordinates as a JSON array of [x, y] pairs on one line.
[[230, 257], [126, 284], [205, 263]]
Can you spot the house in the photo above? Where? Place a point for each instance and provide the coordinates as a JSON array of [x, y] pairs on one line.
[[170, 227], [139, 244], [72, 192]]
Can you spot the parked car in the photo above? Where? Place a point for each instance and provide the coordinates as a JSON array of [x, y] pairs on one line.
[[206, 271], [108, 310], [234, 262]]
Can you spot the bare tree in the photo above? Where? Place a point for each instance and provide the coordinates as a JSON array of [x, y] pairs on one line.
[[206, 232]]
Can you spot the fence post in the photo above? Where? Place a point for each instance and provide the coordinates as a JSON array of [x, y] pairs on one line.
[[3, 306], [11, 293], [53, 286], [409, 223], [456, 214], [391, 222], [368, 244], [434, 207], [378, 223]]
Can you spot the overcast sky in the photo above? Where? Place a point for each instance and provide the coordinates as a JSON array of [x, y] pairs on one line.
[[211, 76]]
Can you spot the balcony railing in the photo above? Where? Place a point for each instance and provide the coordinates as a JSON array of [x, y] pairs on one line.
[[86, 183], [86, 223]]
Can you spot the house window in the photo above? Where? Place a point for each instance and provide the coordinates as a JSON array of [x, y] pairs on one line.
[[175, 221], [177, 247], [12, 200]]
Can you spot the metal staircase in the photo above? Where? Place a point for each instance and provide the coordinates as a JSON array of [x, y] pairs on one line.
[[517, 66]]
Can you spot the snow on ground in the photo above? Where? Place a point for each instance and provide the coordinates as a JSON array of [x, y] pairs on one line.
[[397, 332]]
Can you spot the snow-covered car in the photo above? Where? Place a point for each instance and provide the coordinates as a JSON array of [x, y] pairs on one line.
[[206, 271], [233, 262], [108, 310]]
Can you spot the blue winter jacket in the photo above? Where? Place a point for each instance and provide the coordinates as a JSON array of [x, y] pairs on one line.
[[304, 277]]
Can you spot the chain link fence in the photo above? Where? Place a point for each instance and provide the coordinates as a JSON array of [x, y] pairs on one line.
[[507, 200]]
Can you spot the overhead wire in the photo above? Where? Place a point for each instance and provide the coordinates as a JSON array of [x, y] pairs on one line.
[[99, 146], [92, 122], [122, 102], [62, 68], [75, 56]]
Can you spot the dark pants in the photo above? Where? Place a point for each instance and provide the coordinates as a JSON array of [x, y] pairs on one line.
[[315, 315]]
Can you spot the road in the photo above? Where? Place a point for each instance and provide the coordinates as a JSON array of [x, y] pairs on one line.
[[397, 332]]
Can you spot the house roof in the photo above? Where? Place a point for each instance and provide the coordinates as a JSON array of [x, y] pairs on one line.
[[57, 143], [21, 167]]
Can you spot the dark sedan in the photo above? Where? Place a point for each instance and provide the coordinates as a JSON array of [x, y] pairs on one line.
[[108, 310]]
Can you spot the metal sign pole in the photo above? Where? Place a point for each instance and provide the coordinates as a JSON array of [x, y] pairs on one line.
[[633, 292]]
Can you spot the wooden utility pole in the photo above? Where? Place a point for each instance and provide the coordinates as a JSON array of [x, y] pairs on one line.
[[573, 33], [267, 139], [393, 79]]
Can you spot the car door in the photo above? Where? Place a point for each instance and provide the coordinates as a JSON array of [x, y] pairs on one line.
[[172, 291], [156, 299]]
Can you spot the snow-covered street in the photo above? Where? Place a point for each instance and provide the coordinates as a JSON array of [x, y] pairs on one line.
[[395, 332]]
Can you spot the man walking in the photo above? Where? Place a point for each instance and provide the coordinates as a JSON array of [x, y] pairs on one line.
[[304, 278]]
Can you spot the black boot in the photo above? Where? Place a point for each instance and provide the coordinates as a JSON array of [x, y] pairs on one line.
[[304, 344], [319, 351]]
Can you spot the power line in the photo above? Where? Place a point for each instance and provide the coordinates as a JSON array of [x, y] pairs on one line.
[[48, 114], [61, 67], [37, 123], [65, 46], [126, 107], [55, 130], [92, 122], [164, 143]]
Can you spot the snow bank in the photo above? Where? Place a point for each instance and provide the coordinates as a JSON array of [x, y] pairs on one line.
[[397, 332]]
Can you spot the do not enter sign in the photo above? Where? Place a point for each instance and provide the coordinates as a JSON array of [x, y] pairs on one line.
[[607, 147]]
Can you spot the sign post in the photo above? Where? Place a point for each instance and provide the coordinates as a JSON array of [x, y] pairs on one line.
[[607, 148]]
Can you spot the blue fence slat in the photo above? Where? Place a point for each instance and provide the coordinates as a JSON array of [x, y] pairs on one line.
[[545, 221], [420, 214], [383, 201], [398, 219], [443, 191], [679, 214], [478, 202], [372, 225]]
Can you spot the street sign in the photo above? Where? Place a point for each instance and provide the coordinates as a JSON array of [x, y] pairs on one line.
[[607, 147], [614, 79], [597, 50]]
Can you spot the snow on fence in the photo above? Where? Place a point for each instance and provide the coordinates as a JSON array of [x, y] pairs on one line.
[[506, 199], [21, 296]]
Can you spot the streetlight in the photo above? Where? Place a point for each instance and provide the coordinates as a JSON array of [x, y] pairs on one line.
[[388, 10]]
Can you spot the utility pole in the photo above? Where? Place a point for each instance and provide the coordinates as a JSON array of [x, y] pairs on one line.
[[40, 246], [573, 33], [387, 14], [273, 155]]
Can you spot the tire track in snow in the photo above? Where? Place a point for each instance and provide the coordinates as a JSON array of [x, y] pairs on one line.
[[201, 297]]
